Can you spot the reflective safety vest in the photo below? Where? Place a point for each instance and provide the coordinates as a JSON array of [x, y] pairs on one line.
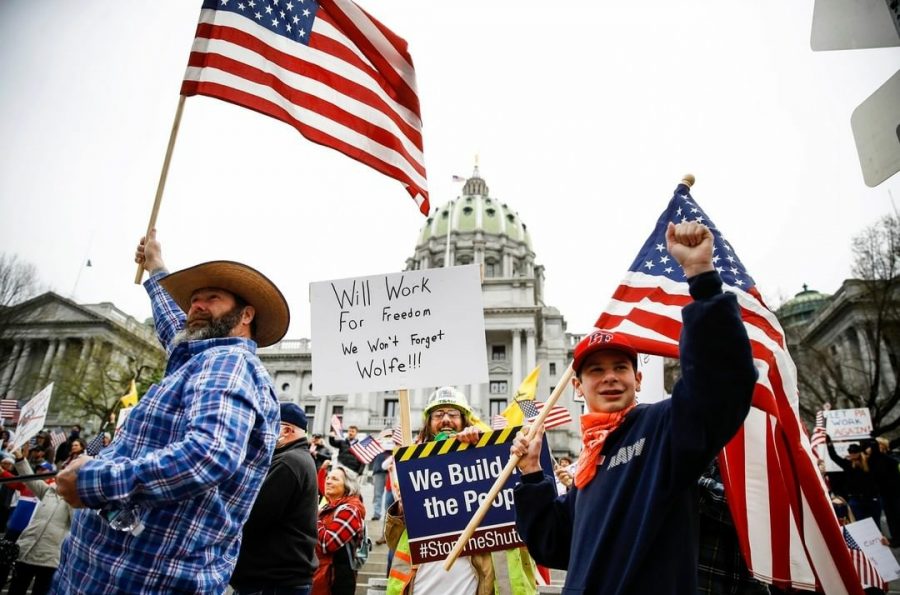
[[514, 571]]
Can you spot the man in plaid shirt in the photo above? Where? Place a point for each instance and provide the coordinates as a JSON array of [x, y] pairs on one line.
[[192, 455]]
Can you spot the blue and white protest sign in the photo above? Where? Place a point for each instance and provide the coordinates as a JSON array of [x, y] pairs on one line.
[[442, 485]]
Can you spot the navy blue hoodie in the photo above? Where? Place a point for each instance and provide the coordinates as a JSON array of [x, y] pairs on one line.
[[633, 528]]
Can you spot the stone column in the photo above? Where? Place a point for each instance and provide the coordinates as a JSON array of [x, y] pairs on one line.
[[475, 399], [529, 349], [48, 358], [83, 358], [10, 366], [56, 370], [21, 364], [516, 358]]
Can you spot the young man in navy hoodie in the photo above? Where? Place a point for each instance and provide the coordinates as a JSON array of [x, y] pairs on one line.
[[629, 525]]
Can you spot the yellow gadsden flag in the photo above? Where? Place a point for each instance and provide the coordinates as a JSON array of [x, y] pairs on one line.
[[131, 399], [514, 414]]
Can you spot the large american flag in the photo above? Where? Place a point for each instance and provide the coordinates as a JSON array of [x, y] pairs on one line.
[[366, 449], [327, 68], [786, 526]]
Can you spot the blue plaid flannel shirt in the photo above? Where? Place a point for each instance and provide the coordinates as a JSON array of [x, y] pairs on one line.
[[192, 456]]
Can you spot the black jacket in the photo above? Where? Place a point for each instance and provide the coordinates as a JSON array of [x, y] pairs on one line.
[[279, 539]]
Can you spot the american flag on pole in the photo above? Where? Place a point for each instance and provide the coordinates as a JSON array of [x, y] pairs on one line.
[[325, 67], [868, 576], [558, 416], [366, 449], [786, 526], [498, 422], [9, 408]]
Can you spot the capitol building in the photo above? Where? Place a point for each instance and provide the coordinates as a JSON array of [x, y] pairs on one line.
[[521, 331]]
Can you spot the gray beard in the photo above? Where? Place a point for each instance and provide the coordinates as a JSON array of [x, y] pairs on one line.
[[217, 328]]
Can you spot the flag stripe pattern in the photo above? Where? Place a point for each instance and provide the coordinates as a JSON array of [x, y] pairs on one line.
[[818, 437], [868, 575], [366, 449], [8, 408], [498, 422], [786, 526], [558, 416], [57, 438], [327, 68]]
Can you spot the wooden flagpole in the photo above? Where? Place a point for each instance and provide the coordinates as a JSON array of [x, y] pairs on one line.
[[162, 180], [405, 428], [507, 471]]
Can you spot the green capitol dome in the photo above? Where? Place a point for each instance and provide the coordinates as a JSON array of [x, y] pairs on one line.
[[800, 309], [475, 212]]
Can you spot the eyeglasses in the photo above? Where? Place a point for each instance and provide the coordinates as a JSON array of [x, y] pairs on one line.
[[440, 414]]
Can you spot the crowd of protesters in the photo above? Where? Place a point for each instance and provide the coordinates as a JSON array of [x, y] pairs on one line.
[[308, 491], [34, 520]]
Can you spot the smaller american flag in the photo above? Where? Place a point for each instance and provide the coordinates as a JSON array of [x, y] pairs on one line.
[[95, 445], [366, 449], [9, 408], [57, 438], [558, 416], [868, 576], [498, 422], [528, 408], [397, 436], [818, 436]]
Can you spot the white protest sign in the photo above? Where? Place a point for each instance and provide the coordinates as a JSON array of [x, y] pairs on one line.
[[652, 386], [848, 424], [123, 415], [31, 419], [414, 329], [867, 536]]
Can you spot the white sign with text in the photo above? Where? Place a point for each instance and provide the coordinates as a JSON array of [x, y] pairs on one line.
[[31, 419], [848, 424], [414, 329]]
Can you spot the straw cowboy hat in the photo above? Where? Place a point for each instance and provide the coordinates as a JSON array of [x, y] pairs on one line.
[[272, 313]]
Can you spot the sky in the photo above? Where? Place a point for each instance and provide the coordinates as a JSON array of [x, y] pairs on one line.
[[583, 118]]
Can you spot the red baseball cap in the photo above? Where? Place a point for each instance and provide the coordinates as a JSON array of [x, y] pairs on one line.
[[602, 341]]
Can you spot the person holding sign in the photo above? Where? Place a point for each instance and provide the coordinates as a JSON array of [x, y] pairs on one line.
[[448, 415], [169, 496], [629, 525]]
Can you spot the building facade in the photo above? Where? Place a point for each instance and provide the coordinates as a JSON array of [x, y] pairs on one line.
[[52, 339], [521, 331]]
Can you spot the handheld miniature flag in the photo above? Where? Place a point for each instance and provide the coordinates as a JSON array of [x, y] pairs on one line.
[[366, 449], [868, 575], [818, 437], [558, 416], [57, 438], [786, 527], [325, 67]]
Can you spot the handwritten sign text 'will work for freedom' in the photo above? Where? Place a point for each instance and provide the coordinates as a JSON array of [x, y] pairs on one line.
[[412, 329]]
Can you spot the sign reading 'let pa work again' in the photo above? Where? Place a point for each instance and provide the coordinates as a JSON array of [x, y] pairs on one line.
[[413, 329]]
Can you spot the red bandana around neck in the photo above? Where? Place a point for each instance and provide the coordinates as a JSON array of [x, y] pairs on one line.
[[595, 427]]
